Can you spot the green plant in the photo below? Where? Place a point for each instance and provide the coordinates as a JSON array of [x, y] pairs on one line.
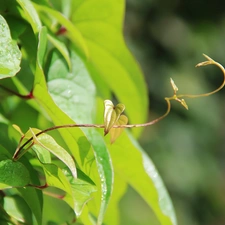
[[70, 63]]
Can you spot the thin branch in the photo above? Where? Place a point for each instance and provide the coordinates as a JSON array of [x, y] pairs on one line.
[[28, 96], [176, 97]]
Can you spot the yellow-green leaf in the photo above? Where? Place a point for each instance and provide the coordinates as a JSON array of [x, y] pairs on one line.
[[116, 132], [111, 114]]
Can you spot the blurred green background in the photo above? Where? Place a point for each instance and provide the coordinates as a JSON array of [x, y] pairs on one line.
[[168, 37]]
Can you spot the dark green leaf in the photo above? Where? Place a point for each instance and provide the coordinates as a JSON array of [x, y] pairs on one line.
[[17, 208], [13, 174], [33, 198]]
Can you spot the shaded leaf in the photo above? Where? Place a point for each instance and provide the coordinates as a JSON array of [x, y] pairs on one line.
[[48, 143], [4, 217], [13, 174], [33, 198], [17, 208], [10, 55]]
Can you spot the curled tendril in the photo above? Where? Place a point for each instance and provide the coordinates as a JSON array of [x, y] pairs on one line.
[[180, 97]]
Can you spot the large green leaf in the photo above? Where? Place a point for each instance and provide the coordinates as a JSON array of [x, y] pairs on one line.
[[10, 55], [76, 140], [112, 216], [73, 91], [33, 198], [16, 207], [109, 55], [76, 97], [13, 174], [135, 167]]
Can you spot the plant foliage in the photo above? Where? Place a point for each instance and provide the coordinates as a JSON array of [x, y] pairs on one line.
[[59, 61]]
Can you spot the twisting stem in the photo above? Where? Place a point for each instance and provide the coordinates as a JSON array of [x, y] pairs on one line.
[[176, 97], [209, 62]]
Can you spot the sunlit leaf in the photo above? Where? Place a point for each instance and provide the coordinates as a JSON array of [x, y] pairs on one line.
[[111, 114], [65, 96], [30, 14], [81, 192], [65, 86], [133, 164], [10, 55], [116, 132], [109, 57], [13, 174], [72, 32], [113, 212]]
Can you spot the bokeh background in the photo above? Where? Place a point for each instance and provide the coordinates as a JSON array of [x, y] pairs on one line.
[[168, 37]]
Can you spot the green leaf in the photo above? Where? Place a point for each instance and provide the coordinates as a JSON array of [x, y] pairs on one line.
[[66, 86], [48, 143], [112, 216], [134, 166], [81, 192], [4, 154], [109, 55], [116, 132], [72, 32], [30, 14], [10, 55], [17, 208], [33, 198], [61, 47], [13, 174], [75, 139], [105, 170], [42, 44], [75, 107]]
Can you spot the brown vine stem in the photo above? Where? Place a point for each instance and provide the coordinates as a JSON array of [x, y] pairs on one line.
[[28, 96], [175, 97]]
